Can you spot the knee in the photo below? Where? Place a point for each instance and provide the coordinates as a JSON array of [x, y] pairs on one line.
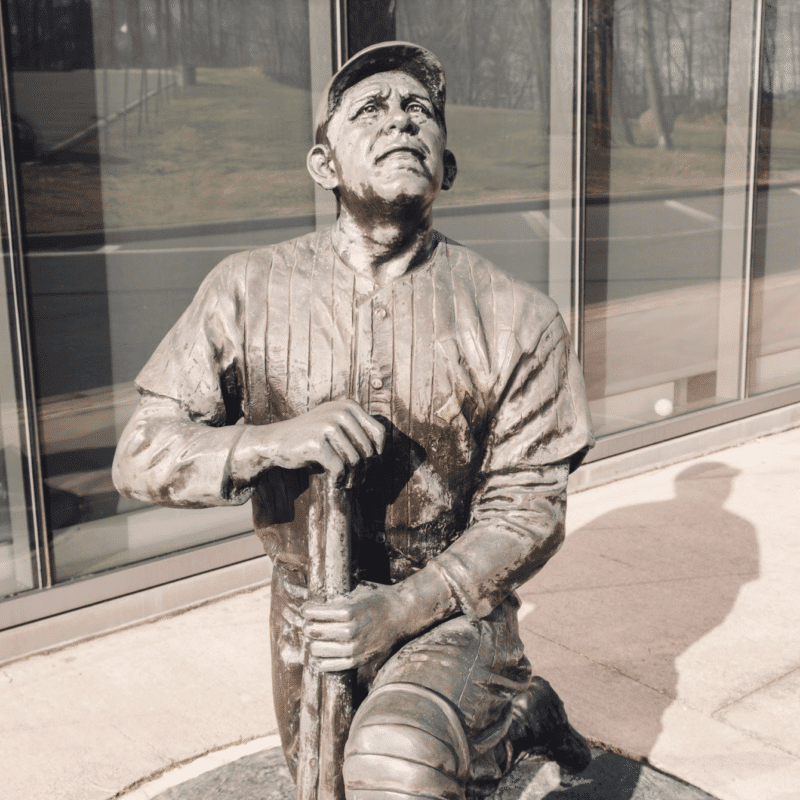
[[405, 741]]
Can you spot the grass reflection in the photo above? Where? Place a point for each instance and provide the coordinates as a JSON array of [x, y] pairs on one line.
[[234, 146]]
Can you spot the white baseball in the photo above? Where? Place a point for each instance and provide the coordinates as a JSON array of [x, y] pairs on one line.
[[663, 407]]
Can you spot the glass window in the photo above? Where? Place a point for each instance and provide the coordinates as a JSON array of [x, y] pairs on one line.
[[510, 120], [615, 154], [774, 346], [668, 116], [19, 563], [156, 137]]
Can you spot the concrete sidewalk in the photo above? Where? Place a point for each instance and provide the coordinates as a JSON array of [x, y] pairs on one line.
[[669, 623]]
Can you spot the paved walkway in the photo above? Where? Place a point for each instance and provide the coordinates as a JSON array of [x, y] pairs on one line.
[[669, 623]]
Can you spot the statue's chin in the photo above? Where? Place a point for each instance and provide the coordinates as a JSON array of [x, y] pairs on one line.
[[395, 201]]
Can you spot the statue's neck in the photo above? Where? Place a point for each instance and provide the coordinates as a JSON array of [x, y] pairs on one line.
[[383, 249]]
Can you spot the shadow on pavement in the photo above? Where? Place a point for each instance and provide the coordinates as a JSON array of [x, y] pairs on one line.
[[630, 593], [608, 777]]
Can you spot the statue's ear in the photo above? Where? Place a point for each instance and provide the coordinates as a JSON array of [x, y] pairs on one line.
[[320, 166], [450, 170]]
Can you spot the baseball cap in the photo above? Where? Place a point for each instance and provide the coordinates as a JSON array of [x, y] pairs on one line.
[[383, 57]]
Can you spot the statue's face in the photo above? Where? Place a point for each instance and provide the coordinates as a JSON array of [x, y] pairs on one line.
[[385, 141]]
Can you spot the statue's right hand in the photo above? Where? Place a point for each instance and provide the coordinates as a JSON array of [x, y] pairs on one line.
[[336, 436]]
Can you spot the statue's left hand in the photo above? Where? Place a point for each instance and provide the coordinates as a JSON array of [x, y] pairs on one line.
[[355, 628]]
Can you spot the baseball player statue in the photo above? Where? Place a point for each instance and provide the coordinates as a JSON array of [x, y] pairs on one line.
[[382, 348]]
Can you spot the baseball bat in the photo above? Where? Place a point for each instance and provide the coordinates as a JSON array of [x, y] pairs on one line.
[[326, 709]]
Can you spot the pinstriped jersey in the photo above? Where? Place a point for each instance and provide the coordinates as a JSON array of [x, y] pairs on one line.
[[471, 372]]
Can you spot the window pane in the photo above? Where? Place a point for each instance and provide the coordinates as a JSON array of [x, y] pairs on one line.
[[19, 570], [158, 137], [774, 346], [667, 157], [218, 117]]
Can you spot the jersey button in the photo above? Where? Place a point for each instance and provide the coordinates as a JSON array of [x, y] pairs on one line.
[[381, 313], [376, 383]]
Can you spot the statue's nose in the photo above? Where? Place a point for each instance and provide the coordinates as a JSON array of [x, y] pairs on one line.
[[401, 121]]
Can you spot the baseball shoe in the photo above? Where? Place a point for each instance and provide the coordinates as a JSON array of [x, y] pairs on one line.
[[540, 727]]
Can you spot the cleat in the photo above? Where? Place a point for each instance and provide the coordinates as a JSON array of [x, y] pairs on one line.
[[540, 728]]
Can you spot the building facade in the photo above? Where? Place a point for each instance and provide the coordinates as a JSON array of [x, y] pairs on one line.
[[638, 161]]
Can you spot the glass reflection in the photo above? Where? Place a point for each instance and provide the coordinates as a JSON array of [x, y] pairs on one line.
[[664, 183], [157, 137], [774, 346], [19, 568], [497, 60], [146, 114]]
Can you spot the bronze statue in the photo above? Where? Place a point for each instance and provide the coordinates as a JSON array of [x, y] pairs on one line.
[[444, 400]]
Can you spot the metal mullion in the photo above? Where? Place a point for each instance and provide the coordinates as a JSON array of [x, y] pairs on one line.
[[339, 22], [565, 137], [579, 169], [755, 125], [22, 321], [324, 45], [738, 197]]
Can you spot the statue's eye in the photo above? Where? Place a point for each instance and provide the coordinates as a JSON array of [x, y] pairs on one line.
[[369, 109]]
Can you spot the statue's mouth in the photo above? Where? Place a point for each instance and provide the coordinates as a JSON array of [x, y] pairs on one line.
[[415, 152]]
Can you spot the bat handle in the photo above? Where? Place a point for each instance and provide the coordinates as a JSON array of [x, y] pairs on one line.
[[326, 709]]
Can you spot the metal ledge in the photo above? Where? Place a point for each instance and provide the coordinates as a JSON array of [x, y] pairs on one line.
[[780, 401], [105, 616], [669, 445], [96, 588]]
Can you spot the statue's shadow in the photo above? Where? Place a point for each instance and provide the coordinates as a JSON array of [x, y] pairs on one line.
[[609, 777], [629, 594]]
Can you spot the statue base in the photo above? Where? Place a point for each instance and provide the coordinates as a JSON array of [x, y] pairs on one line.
[[264, 776], [609, 777]]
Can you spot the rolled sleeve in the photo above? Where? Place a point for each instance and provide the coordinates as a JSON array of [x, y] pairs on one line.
[[199, 363], [517, 525], [165, 458], [176, 449]]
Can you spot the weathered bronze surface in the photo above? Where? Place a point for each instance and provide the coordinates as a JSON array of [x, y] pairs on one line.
[[408, 416]]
